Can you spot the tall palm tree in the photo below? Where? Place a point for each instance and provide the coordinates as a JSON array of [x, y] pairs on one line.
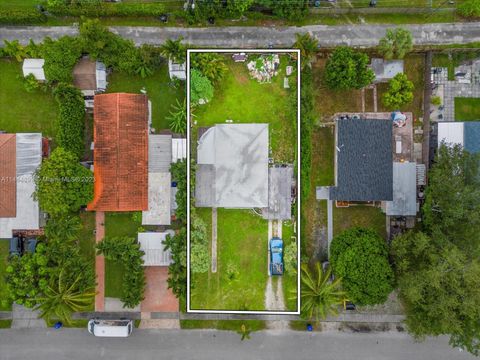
[[308, 46], [178, 118], [174, 50], [210, 65], [60, 300], [320, 296]]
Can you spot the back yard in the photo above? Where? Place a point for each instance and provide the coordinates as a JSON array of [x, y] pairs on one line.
[[24, 111], [467, 109]]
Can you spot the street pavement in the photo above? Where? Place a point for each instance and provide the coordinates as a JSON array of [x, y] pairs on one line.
[[251, 37], [50, 344]]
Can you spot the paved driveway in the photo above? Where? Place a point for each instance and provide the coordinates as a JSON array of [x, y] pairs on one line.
[[158, 298]]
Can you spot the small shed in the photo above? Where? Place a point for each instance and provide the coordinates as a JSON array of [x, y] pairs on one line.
[[155, 254], [404, 190], [179, 149], [90, 76], [386, 69], [34, 67], [177, 70]]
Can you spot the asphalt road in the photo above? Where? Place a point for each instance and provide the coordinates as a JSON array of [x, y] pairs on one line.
[[251, 37], [72, 344]]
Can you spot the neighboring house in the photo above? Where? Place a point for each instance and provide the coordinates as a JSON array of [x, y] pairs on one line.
[[363, 160], [91, 78], [386, 69], [404, 190], [34, 67], [120, 152], [177, 70], [466, 134], [232, 166], [20, 156], [155, 254]]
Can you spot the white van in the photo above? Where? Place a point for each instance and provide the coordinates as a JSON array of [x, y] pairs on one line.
[[110, 328]]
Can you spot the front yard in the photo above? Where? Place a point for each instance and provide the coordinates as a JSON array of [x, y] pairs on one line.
[[5, 304], [23, 111], [467, 109], [241, 277]]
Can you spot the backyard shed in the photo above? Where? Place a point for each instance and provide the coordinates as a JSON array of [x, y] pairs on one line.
[[90, 76], [34, 67], [179, 149], [155, 254], [20, 156], [404, 190], [386, 69], [176, 70]]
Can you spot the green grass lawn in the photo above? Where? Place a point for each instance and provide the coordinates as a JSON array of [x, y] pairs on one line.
[[5, 324], [467, 109], [289, 280], [244, 100], [5, 304], [241, 277], [18, 4], [117, 224], [22, 111], [86, 240], [159, 89], [362, 216], [232, 325]]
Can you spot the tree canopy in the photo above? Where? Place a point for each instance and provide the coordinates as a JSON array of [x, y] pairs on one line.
[[396, 43], [348, 69], [360, 257], [210, 65], [201, 89], [62, 184], [399, 93], [308, 46]]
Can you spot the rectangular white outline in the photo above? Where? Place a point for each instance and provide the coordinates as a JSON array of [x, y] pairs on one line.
[[264, 312]]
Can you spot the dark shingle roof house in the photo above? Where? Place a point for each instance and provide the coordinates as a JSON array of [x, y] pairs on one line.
[[363, 160], [120, 155]]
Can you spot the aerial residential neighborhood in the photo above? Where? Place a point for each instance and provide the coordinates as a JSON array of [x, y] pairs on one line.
[[232, 179]]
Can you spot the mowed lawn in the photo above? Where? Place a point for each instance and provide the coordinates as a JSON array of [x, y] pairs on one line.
[[5, 304], [239, 98], [467, 109], [359, 216], [116, 225], [23, 111], [160, 90], [241, 277], [289, 279]]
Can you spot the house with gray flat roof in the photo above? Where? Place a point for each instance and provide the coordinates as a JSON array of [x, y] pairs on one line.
[[363, 160], [466, 134], [404, 201], [232, 167]]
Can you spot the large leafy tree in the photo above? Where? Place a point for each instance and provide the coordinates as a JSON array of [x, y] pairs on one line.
[[348, 69], [399, 93], [320, 297], [71, 119], [360, 257], [201, 89], [396, 43], [60, 56], [308, 46], [62, 184], [210, 65]]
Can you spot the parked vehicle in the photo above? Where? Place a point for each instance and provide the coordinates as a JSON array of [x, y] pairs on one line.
[[276, 256], [110, 328], [20, 245]]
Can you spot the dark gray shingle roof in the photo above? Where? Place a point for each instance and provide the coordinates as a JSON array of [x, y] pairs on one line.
[[364, 162]]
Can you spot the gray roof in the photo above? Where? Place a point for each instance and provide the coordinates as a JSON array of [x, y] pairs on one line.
[[472, 136], [364, 165], [280, 180], [404, 190], [386, 69], [159, 153], [238, 154]]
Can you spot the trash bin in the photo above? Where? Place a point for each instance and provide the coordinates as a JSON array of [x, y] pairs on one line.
[[309, 327], [58, 325]]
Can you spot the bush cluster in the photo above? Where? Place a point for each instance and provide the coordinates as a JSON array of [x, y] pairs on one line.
[[102, 9], [307, 121], [21, 16]]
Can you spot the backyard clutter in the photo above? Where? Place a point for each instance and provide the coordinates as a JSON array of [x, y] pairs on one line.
[[264, 67]]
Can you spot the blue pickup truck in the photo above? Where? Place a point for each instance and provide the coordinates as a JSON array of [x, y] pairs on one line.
[[276, 256]]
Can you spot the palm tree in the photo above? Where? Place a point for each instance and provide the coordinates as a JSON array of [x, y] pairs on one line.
[[308, 46], [320, 296], [174, 50], [60, 300], [63, 228], [14, 49], [210, 65], [178, 118]]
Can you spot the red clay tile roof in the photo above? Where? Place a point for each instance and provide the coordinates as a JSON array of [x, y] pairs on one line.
[[8, 172], [120, 152]]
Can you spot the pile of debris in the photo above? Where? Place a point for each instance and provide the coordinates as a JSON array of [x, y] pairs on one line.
[[264, 68]]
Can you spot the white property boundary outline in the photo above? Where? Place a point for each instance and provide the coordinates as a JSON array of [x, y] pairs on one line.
[[269, 51]]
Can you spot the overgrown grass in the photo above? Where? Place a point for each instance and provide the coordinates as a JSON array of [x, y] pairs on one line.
[[467, 109], [239, 98], [362, 216], [160, 90], [5, 324], [232, 325], [23, 111], [289, 280], [5, 304], [241, 277]]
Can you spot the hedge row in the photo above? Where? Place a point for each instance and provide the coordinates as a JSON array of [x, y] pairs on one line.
[[106, 10], [307, 120], [21, 17]]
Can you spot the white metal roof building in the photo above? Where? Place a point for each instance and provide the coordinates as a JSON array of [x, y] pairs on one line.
[[404, 190], [151, 243], [35, 67], [466, 134], [386, 69], [232, 166], [28, 159], [176, 70], [179, 149]]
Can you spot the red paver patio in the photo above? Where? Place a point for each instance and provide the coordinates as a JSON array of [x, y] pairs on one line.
[[100, 263], [158, 298]]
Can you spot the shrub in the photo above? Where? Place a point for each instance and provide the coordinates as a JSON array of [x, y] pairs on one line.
[[24, 16], [60, 57], [436, 100], [360, 257], [201, 89], [307, 119], [100, 9], [400, 92], [127, 251], [30, 83], [177, 271], [290, 258], [71, 119], [469, 8]]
